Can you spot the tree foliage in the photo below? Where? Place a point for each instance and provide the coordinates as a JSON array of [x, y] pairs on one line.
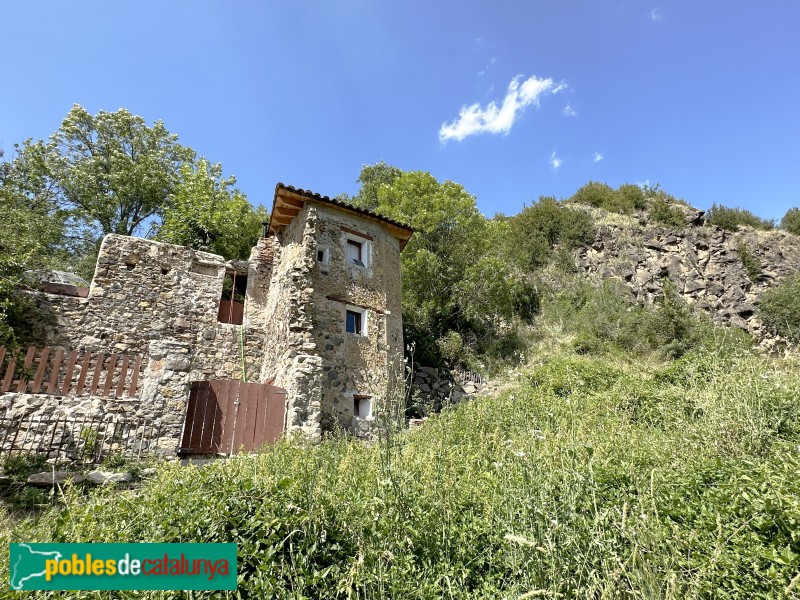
[[30, 233], [110, 170], [791, 221], [732, 218], [207, 213], [458, 288], [626, 199], [539, 229]]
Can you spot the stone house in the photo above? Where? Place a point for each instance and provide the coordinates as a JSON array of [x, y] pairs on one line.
[[314, 312]]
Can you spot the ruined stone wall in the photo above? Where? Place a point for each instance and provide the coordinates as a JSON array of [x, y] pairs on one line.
[[290, 354], [369, 364], [704, 263], [160, 301]]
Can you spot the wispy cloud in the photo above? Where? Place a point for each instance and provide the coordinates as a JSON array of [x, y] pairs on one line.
[[597, 157], [499, 119], [482, 72], [569, 111], [555, 162], [655, 15]]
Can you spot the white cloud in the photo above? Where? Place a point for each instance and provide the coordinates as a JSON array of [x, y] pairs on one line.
[[597, 157], [555, 162], [499, 119], [569, 111], [655, 15]]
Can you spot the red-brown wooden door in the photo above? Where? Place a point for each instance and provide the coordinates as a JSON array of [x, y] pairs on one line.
[[226, 417]]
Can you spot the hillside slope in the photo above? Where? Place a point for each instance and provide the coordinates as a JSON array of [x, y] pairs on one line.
[[590, 477]]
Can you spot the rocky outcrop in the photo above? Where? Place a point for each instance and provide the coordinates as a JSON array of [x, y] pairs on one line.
[[723, 273]]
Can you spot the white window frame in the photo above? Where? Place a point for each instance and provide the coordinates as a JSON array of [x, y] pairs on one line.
[[364, 319], [365, 250]]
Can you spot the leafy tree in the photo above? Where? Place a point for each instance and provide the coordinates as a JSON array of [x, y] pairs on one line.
[[538, 229], [791, 221], [110, 170], [104, 173], [207, 213], [29, 236], [372, 178]]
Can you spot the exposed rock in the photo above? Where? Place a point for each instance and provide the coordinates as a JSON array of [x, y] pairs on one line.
[[101, 477], [50, 478], [703, 263]]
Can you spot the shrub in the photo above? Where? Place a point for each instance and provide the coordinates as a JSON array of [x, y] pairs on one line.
[[731, 218], [595, 193], [607, 318], [626, 199], [630, 197], [538, 229], [791, 221], [662, 212], [780, 309], [749, 261]]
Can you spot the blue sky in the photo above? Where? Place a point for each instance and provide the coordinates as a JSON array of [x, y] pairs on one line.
[[511, 99]]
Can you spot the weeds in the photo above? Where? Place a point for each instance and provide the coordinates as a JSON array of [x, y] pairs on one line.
[[594, 477]]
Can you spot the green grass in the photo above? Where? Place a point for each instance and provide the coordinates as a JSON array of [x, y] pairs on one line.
[[591, 477]]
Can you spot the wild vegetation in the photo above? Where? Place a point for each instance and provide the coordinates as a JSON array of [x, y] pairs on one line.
[[780, 309], [732, 218], [605, 468]]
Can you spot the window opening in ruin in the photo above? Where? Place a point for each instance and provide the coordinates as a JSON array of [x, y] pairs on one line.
[[164, 270], [362, 406], [231, 304], [130, 266], [354, 322], [354, 253], [323, 256]]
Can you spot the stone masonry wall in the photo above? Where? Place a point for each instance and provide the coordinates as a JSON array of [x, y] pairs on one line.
[[370, 364], [290, 354], [159, 301]]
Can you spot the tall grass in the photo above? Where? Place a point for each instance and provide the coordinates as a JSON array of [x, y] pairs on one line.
[[591, 477]]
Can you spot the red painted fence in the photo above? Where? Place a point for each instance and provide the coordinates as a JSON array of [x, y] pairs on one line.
[[69, 373]]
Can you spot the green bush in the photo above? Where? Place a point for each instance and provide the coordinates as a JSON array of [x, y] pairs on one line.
[[791, 221], [626, 199], [662, 212], [732, 218], [780, 309], [750, 263], [539, 229], [606, 318]]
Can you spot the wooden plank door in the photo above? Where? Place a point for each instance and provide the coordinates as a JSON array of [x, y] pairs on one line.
[[227, 417]]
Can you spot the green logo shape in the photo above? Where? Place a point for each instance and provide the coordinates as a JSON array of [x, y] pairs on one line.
[[123, 566]]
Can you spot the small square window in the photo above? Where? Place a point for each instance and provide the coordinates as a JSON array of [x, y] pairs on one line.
[[354, 253], [353, 324], [362, 406], [323, 255]]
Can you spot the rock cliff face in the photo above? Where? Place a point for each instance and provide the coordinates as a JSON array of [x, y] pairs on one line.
[[721, 272]]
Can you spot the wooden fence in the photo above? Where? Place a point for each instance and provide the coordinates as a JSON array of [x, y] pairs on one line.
[[60, 372]]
